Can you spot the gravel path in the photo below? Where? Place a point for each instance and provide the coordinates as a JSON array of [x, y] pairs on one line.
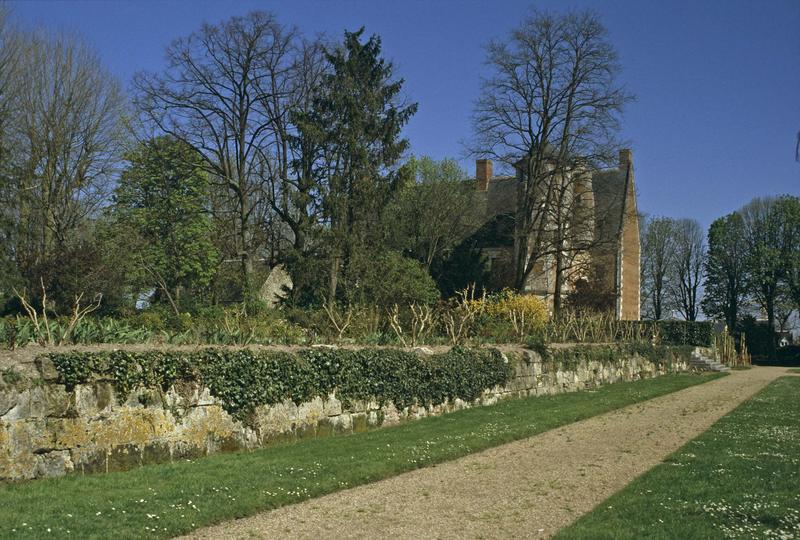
[[529, 488]]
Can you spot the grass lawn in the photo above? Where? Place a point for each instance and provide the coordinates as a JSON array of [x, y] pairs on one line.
[[164, 500], [739, 479], [794, 370]]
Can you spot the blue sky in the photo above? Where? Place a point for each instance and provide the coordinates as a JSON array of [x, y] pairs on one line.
[[717, 82]]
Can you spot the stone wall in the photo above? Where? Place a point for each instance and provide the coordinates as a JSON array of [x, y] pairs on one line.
[[46, 430]]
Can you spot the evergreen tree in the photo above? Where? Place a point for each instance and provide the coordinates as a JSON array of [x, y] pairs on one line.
[[356, 119]]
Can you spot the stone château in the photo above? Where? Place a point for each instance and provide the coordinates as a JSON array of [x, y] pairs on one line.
[[606, 201]]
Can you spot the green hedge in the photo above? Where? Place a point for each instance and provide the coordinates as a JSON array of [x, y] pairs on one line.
[[244, 379], [696, 333]]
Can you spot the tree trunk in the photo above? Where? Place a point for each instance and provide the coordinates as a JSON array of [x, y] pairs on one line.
[[520, 256], [558, 285], [246, 262], [771, 322], [334, 279]]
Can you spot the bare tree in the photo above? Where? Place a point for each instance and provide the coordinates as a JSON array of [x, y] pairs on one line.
[[687, 267], [552, 97], [9, 60], [64, 148], [227, 92], [658, 256]]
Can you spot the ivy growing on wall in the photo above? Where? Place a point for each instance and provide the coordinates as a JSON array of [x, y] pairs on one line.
[[244, 379]]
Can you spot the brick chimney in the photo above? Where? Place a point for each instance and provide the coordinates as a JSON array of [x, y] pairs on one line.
[[625, 157], [483, 174]]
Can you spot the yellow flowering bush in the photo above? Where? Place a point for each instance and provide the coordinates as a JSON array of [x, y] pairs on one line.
[[525, 313]]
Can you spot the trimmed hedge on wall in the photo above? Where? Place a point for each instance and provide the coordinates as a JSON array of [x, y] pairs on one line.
[[696, 333], [244, 379]]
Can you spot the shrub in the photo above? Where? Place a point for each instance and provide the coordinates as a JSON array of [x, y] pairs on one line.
[[509, 315], [537, 343], [388, 278], [588, 327], [20, 331], [760, 338], [698, 333], [788, 356], [245, 379], [232, 326]]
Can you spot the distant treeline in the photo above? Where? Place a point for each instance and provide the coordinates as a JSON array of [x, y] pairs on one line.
[[749, 266]]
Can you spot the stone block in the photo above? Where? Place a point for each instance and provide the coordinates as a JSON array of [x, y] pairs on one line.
[[360, 424], [230, 443], [305, 431], [332, 407], [188, 450], [343, 423], [248, 438], [94, 399], [52, 464], [310, 412], [391, 416], [375, 418], [273, 439], [204, 397], [357, 406], [156, 452], [47, 370], [132, 400], [8, 400], [57, 401], [29, 403], [17, 461], [182, 394], [203, 425], [33, 435], [124, 457], [275, 419], [68, 433], [325, 427], [89, 460]]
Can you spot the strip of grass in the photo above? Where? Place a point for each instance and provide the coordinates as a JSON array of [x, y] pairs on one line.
[[739, 479], [794, 370], [165, 500]]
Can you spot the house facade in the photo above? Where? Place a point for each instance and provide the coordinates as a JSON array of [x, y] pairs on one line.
[[601, 258]]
